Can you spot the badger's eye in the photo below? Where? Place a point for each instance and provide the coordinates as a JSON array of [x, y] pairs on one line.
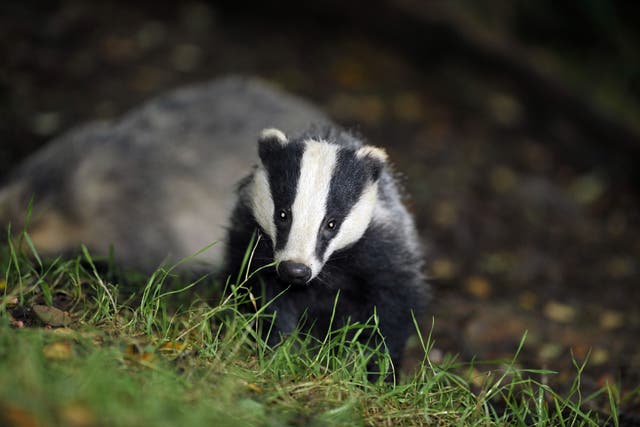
[[283, 215], [331, 225]]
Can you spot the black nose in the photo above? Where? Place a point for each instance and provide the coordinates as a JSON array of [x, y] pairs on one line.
[[294, 272]]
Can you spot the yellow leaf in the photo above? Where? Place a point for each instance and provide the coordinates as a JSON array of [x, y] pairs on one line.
[[135, 353], [478, 286], [254, 387], [17, 417], [77, 414], [174, 346], [559, 312], [60, 350]]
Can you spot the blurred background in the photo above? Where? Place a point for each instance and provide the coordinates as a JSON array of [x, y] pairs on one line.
[[515, 125]]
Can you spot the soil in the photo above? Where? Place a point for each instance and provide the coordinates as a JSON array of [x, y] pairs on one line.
[[529, 222]]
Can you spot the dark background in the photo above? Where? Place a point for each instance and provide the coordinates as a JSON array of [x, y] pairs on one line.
[[515, 124]]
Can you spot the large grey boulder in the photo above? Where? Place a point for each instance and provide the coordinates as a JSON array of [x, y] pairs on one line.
[[156, 185]]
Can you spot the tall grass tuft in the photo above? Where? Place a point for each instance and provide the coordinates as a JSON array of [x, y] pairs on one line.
[[167, 356]]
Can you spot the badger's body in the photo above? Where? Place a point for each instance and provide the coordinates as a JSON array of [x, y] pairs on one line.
[[158, 184], [329, 213]]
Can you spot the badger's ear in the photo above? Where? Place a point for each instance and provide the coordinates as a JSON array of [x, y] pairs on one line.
[[270, 140], [375, 159]]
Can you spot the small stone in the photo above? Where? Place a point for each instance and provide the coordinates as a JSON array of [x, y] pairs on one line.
[[436, 356], [52, 316]]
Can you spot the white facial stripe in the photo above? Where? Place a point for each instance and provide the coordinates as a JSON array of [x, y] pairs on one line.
[[309, 206], [356, 223], [262, 203]]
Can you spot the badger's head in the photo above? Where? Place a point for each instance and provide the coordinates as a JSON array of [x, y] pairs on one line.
[[312, 198]]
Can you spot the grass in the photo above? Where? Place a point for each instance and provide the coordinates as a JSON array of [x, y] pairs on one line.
[[165, 356]]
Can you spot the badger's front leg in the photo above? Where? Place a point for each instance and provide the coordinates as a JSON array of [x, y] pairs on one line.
[[397, 299], [282, 313]]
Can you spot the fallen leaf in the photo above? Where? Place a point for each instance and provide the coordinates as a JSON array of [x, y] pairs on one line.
[[443, 268], [77, 414], [365, 108], [550, 351], [174, 349], [478, 286], [620, 267], [407, 106], [505, 109], [254, 387], [587, 188], [65, 332], [174, 346], [17, 417], [528, 300], [137, 354], [349, 73], [498, 263], [503, 179], [59, 350], [611, 320], [478, 378], [51, 315], [445, 213], [559, 312], [599, 356]]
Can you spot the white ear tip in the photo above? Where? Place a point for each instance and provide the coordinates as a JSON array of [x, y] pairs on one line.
[[273, 133], [372, 152]]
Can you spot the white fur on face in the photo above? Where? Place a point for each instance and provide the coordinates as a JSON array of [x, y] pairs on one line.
[[310, 205], [356, 223], [262, 203]]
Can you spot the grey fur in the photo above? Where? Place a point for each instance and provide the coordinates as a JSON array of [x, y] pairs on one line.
[[157, 184]]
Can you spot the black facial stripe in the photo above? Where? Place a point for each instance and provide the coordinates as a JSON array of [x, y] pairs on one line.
[[283, 170], [347, 184]]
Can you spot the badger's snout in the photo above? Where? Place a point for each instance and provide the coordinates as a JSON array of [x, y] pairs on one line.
[[294, 272]]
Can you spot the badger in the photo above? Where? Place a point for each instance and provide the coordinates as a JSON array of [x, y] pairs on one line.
[[329, 214], [160, 183]]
